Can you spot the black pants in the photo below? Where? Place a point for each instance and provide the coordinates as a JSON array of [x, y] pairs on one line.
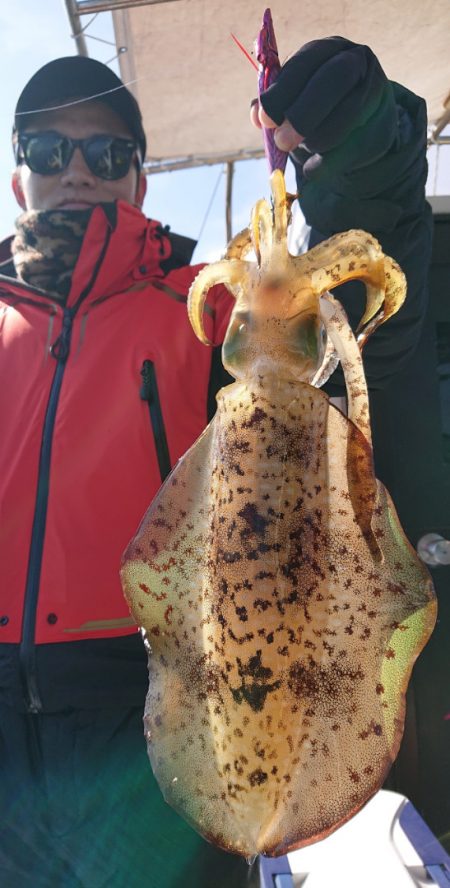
[[79, 808]]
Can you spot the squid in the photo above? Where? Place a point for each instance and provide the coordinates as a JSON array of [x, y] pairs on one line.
[[282, 605]]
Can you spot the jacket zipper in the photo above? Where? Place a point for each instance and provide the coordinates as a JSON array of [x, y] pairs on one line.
[[60, 351], [27, 658], [150, 393]]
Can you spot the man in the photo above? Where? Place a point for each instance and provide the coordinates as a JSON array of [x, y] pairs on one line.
[[104, 386]]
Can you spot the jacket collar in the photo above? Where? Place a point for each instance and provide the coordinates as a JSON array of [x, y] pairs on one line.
[[121, 246]]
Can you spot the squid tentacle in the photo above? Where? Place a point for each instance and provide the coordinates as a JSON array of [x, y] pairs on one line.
[[362, 483], [328, 365], [229, 272], [267, 226], [356, 255], [394, 296], [239, 245], [343, 339], [261, 232], [280, 214]]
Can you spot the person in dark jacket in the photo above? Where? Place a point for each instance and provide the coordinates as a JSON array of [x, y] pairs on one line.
[[104, 386]]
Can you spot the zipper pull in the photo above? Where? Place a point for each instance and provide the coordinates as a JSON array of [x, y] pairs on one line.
[[61, 346]]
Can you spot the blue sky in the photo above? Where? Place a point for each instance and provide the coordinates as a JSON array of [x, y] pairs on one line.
[[32, 33]]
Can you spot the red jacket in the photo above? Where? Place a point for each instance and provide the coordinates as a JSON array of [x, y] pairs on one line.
[[79, 463]]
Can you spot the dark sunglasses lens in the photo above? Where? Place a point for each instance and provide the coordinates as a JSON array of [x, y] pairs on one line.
[[108, 158], [46, 153]]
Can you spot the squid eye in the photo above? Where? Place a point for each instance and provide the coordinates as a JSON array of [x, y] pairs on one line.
[[239, 328], [304, 336]]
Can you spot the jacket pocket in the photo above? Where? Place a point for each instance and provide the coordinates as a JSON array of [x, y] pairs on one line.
[[150, 394]]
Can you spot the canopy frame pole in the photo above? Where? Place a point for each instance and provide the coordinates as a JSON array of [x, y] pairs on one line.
[[229, 169], [85, 7], [75, 24]]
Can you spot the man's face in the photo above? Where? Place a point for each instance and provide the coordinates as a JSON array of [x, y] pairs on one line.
[[77, 187]]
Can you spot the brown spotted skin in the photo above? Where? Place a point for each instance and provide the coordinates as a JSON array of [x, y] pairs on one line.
[[282, 603]]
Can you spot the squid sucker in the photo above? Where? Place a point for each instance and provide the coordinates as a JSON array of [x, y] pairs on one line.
[[282, 604]]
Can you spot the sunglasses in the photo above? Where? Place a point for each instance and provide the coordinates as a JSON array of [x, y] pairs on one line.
[[48, 153]]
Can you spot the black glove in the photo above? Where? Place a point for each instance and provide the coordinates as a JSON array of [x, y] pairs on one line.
[[337, 96]]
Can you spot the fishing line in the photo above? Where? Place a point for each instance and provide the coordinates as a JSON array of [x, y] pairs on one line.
[[79, 101], [208, 209]]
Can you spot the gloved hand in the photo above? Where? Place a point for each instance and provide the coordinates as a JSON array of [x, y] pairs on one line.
[[334, 97]]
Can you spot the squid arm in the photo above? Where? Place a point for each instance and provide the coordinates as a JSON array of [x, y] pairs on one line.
[[230, 272]]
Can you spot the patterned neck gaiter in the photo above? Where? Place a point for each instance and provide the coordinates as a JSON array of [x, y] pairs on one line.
[[46, 248]]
